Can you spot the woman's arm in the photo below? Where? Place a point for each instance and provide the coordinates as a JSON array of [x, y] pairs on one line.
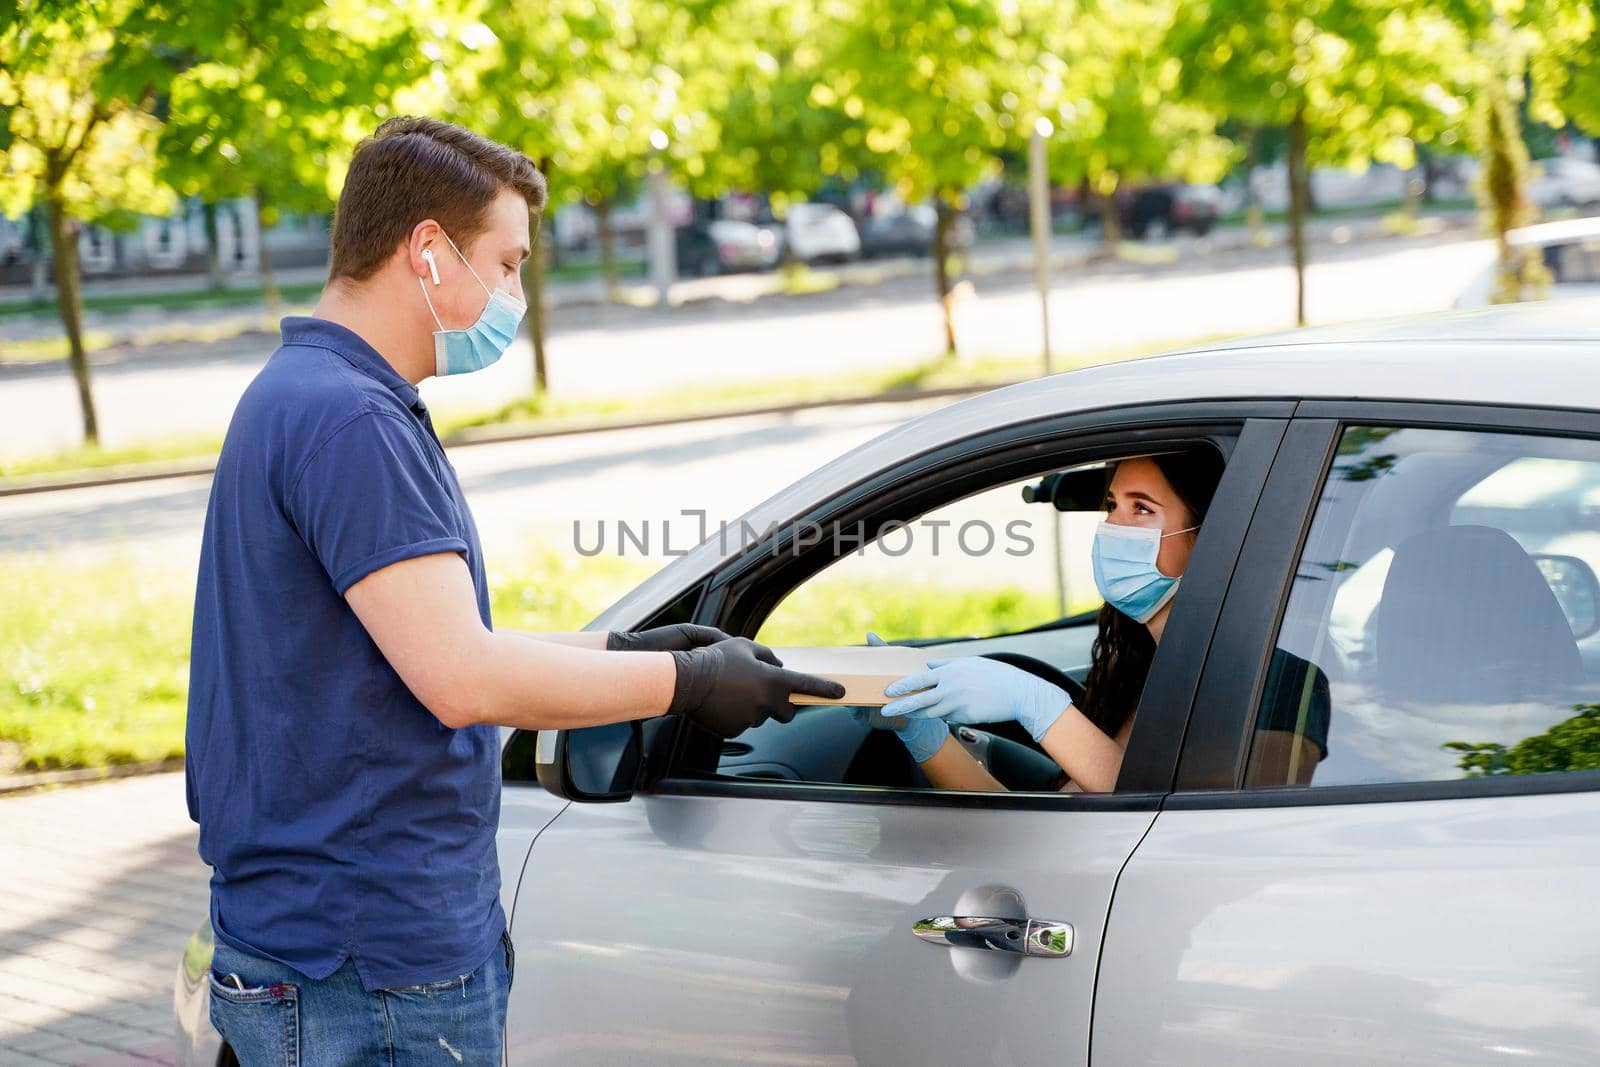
[[953, 767], [1090, 758]]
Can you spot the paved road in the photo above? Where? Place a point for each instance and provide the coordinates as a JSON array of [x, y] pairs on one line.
[[101, 886], [603, 351], [544, 494]]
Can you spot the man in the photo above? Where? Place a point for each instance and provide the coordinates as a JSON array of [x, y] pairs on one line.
[[346, 685]]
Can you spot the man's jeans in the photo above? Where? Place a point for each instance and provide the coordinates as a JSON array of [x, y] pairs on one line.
[[282, 1018]]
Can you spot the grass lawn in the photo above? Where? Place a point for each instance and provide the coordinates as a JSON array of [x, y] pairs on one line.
[[85, 458], [93, 662], [94, 657], [298, 292], [173, 301]]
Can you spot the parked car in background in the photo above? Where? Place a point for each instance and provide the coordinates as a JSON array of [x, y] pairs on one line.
[[717, 246], [909, 232], [1570, 250], [1157, 211], [1407, 508], [820, 232], [1565, 182]]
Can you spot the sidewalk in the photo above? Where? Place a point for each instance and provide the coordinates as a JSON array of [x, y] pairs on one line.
[[1068, 252], [102, 886]]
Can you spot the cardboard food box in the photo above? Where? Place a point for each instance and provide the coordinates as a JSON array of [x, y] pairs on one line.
[[863, 670]]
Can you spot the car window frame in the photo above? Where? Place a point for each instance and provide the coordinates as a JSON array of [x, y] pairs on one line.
[[1216, 751], [746, 589]]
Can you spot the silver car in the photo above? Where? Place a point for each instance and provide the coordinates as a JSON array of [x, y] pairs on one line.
[[1412, 510]]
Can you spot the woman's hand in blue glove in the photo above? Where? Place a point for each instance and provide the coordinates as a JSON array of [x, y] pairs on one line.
[[923, 738], [972, 689]]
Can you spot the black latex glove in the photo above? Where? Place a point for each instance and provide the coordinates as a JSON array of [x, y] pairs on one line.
[[679, 637], [735, 684]]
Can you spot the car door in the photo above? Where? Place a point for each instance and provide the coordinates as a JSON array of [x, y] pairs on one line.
[[1427, 896], [715, 917]]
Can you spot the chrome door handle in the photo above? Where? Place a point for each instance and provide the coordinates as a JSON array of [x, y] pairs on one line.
[[1026, 937]]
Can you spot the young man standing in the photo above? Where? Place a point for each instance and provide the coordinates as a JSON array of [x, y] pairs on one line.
[[346, 685]]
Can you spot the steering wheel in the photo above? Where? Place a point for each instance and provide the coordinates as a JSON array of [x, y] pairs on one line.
[[1008, 752], [1005, 750], [1040, 669]]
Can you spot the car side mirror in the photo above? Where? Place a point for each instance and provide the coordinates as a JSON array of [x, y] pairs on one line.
[[1576, 590], [596, 765]]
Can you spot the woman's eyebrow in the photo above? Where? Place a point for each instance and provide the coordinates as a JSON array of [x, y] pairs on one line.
[[1134, 494]]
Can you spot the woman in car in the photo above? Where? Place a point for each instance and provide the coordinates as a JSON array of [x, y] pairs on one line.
[[1154, 508]]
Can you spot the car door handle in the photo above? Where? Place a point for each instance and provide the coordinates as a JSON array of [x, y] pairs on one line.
[[1026, 937]]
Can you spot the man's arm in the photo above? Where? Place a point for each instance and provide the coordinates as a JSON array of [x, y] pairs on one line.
[[595, 639], [422, 614]]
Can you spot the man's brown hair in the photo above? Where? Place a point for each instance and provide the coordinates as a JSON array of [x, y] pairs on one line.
[[412, 169]]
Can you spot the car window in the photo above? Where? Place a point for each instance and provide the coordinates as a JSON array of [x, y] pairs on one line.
[[981, 566], [1444, 619], [992, 574], [1574, 262]]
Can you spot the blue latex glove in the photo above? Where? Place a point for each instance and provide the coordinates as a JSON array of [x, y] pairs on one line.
[[922, 737], [972, 689]]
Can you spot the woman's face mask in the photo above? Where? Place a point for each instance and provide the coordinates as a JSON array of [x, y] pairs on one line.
[[1125, 572], [485, 341]]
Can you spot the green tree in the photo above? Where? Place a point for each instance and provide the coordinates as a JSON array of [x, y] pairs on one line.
[[78, 85], [582, 88], [1545, 45], [1351, 81], [1107, 85], [1570, 745], [276, 95], [1502, 191], [930, 81], [781, 126]]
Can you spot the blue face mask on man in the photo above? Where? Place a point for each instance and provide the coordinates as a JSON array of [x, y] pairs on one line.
[[1125, 569], [485, 341]]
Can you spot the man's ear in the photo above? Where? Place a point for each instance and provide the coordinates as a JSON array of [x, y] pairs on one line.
[[422, 249]]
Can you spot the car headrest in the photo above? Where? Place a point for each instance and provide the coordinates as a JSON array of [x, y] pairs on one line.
[[1467, 618]]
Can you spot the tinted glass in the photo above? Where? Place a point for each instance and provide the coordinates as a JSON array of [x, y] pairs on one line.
[[1442, 621]]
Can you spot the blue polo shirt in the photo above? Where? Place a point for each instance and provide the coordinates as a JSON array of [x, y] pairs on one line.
[[340, 818]]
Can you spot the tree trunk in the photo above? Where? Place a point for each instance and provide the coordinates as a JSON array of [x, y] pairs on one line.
[[1110, 227], [208, 212], [1252, 211], [38, 248], [269, 288], [538, 313], [1503, 190], [69, 298], [608, 249], [1299, 190], [941, 270]]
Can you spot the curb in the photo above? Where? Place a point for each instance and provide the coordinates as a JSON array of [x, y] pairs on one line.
[[21, 783], [150, 472]]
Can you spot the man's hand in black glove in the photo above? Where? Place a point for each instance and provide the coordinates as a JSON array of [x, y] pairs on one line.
[[680, 637], [735, 684]]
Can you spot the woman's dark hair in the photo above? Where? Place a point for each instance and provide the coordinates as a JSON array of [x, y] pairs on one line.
[[1123, 648]]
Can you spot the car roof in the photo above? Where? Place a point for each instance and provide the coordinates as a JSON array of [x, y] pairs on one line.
[[1537, 354], [1551, 233]]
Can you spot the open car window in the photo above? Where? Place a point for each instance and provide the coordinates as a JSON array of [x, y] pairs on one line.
[[1003, 572]]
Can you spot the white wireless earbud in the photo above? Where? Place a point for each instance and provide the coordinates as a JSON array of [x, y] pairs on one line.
[[433, 268]]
